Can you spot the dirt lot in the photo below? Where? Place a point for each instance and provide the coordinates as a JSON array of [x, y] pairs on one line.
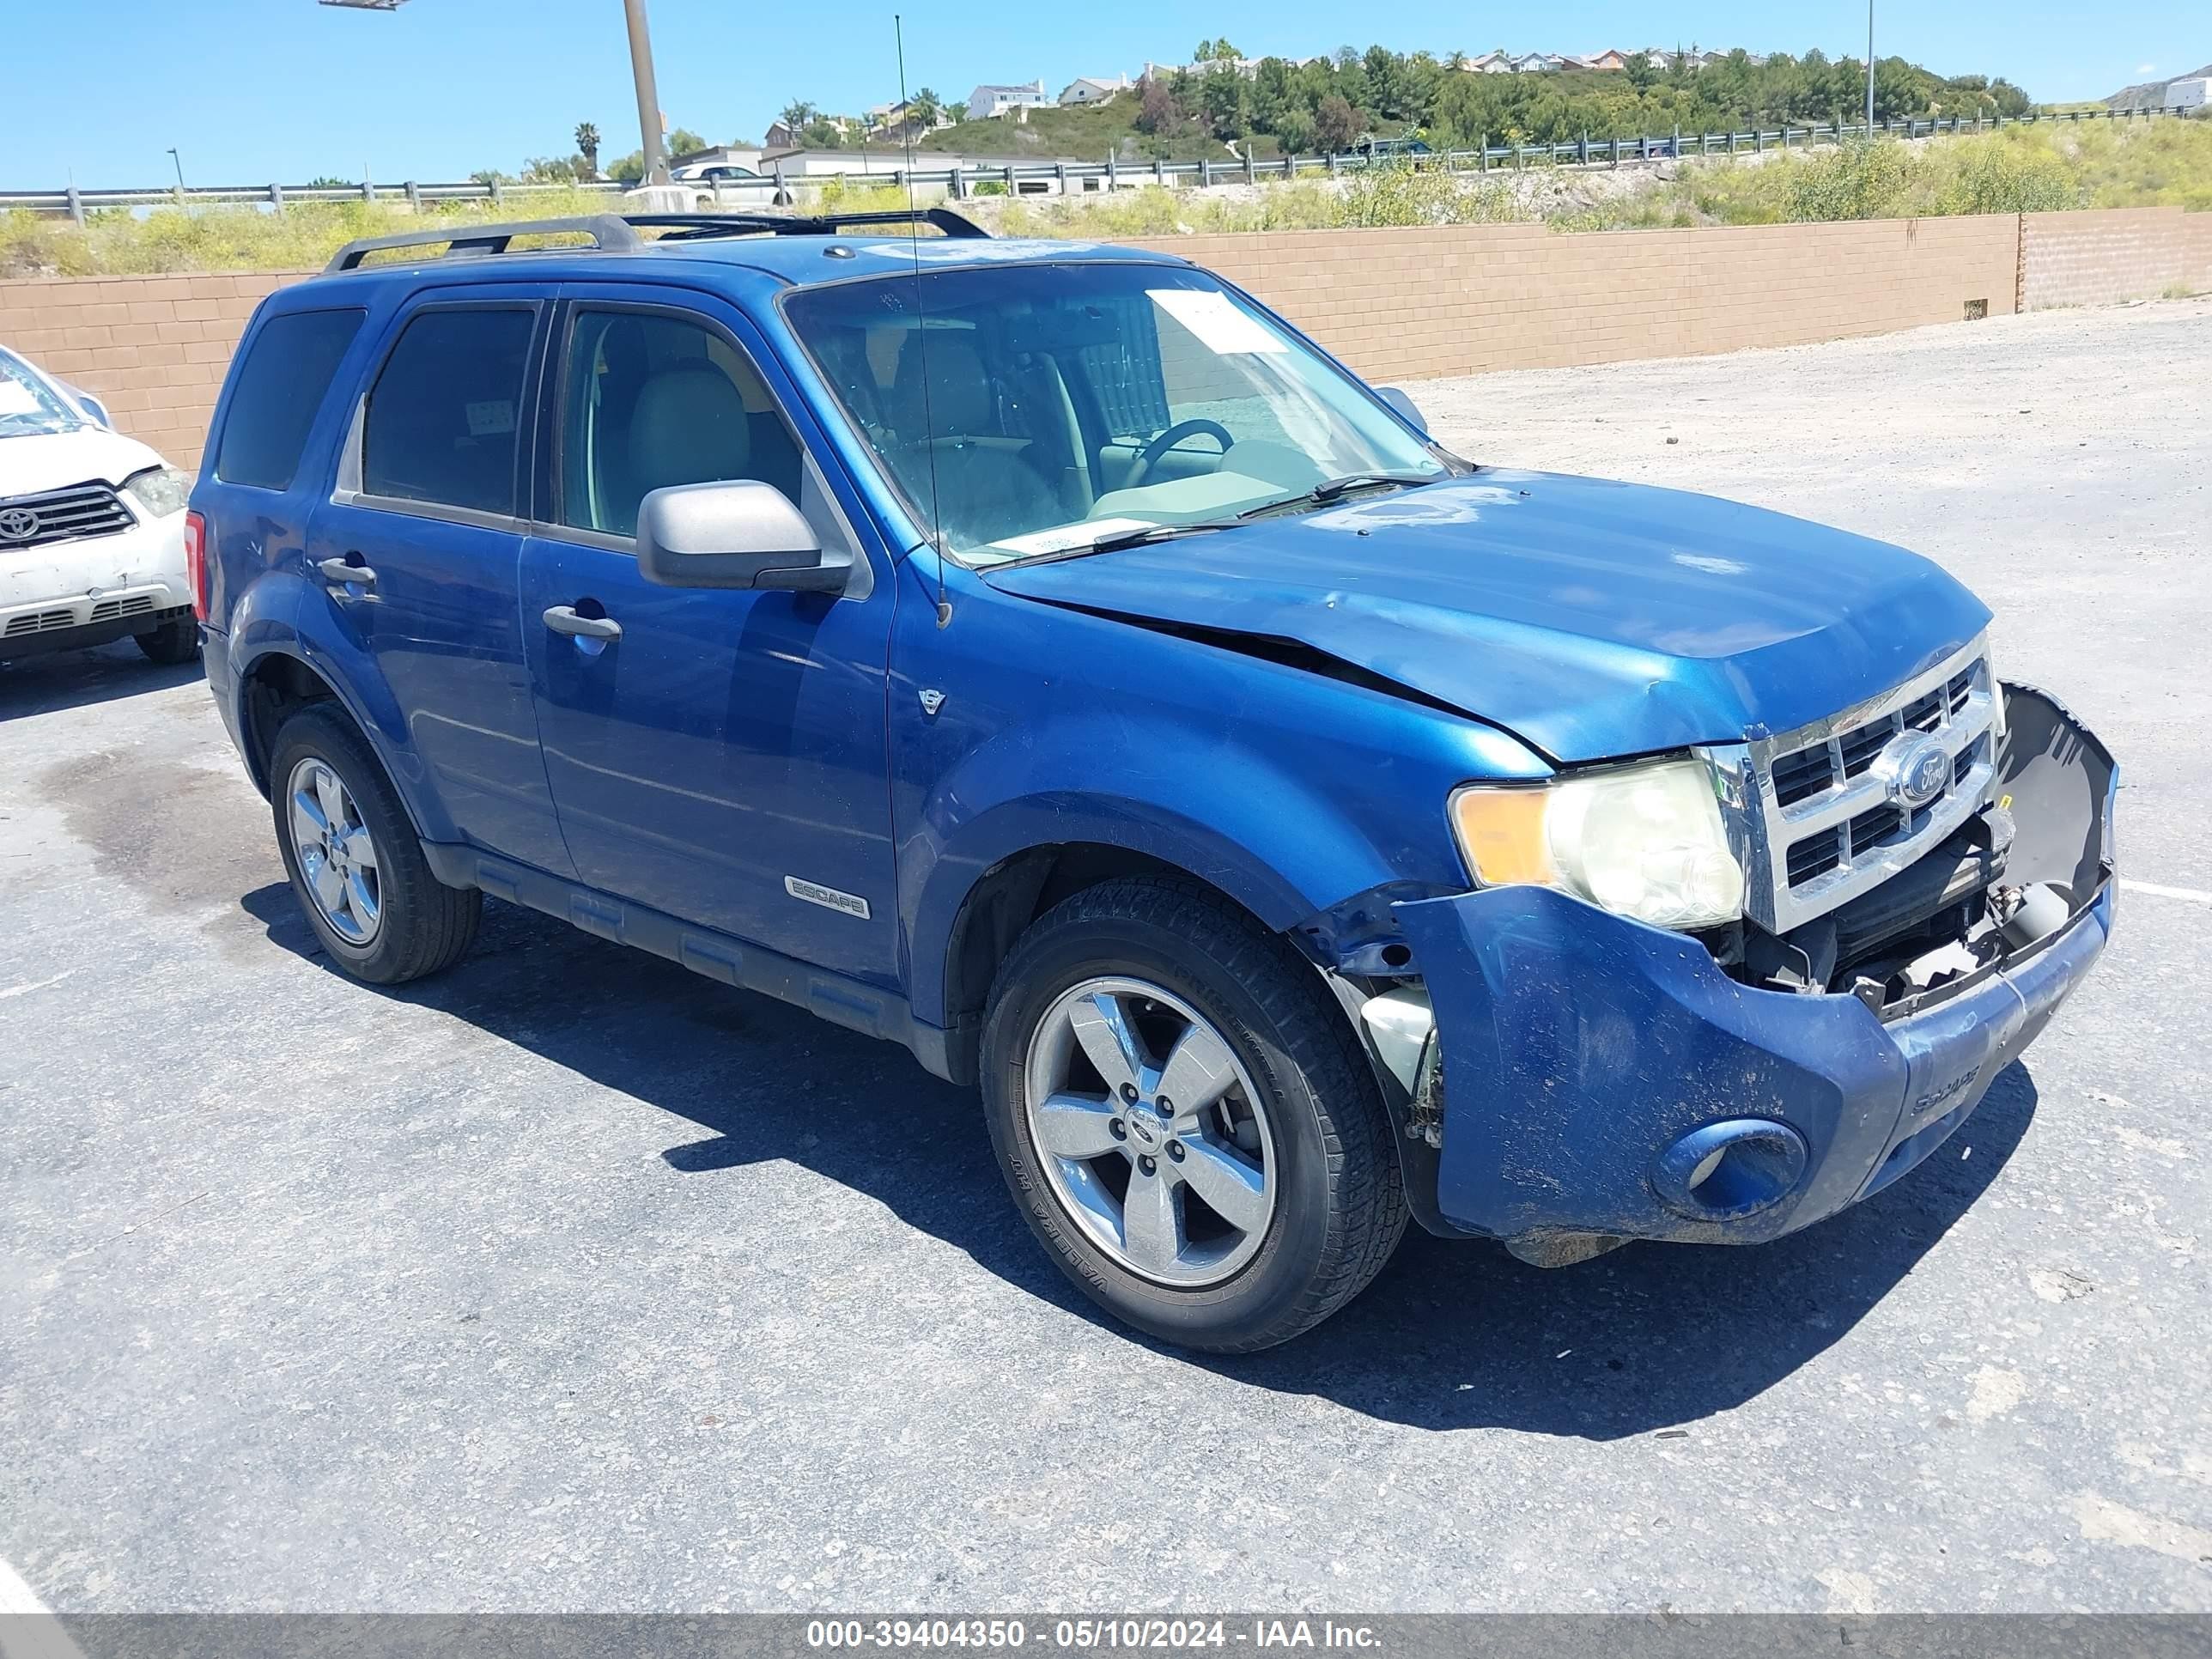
[[571, 1281]]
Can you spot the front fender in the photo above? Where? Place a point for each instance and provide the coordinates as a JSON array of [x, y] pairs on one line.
[[1279, 879], [1023, 724]]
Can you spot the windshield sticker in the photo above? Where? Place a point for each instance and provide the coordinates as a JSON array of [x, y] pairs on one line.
[[15, 397], [492, 419], [1221, 328], [1061, 538]]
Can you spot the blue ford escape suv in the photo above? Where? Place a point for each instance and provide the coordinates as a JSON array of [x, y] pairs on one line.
[[1044, 656]]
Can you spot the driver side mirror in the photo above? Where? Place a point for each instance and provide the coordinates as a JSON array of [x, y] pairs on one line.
[[1398, 400], [92, 406], [737, 533]]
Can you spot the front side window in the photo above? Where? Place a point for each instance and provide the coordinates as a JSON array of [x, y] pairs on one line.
[[281, 385], [650, 400], [1029, 409], [444, 418]]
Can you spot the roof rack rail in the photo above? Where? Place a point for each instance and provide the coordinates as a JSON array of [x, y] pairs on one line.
[[699, 227], [609, 232]]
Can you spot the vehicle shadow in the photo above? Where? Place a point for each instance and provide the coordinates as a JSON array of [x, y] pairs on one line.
[[78, 679], [1454, 1334]]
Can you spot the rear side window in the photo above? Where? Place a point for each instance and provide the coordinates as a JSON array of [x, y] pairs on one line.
[[443, 419], [281, 385]]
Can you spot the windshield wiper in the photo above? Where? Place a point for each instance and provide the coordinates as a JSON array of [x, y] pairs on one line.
[[1329, 489], [1144, 536]]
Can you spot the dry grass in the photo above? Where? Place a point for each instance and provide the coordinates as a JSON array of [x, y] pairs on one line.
[[2021, 169]]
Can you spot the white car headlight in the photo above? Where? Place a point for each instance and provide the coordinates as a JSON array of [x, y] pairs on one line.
[[161, 490], [1644, 840]]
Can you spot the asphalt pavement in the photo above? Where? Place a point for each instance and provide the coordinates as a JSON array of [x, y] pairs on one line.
[[571, 1281]]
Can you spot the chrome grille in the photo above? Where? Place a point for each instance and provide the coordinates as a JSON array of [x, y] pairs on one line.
[[1817, 819], [61, 515]]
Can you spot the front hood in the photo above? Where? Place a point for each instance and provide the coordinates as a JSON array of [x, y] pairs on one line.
[[53, 460], [1591, 619]]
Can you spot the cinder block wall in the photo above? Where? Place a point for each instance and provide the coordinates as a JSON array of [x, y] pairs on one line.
[[153, 348], [2110, 256], [1463, 299], [1395, 304]]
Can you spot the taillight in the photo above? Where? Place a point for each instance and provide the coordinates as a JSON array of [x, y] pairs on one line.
[[195, 570]]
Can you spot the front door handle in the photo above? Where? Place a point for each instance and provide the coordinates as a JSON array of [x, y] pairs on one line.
[[339, 570], [563, 619]]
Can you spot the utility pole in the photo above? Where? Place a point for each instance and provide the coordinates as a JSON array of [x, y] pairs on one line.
[[1869, 69], [648, 95]]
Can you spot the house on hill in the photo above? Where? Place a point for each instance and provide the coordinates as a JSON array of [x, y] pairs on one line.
[[1092, 90], [990, 99]]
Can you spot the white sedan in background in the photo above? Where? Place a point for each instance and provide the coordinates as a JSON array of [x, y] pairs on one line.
[[92, 528]]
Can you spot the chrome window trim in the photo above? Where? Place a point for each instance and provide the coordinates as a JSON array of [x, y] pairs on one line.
[[1762, 831]]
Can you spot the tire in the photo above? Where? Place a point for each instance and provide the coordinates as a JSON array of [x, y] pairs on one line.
[[398, 922], [1337, 1204], [172, 644]]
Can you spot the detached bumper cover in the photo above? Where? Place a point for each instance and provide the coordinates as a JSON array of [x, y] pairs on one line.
[[1577, 1048]]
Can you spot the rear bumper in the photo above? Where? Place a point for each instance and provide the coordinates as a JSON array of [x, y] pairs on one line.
[[1589, 1063]]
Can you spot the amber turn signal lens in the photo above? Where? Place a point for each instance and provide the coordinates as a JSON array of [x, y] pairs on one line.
[[1502, 832]]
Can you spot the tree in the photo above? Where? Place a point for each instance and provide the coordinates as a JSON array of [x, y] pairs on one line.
[[1160, 115], [587, 146], [1222, 97], [1336, 123], [1642, 73], [923, 109], [796, 114]]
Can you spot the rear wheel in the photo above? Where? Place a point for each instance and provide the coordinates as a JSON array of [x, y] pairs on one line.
[[1185, 1120], [171, 644], [356, 867]]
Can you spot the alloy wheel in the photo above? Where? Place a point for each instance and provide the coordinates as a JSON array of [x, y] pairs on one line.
[[337, 856], [1149, 1132]]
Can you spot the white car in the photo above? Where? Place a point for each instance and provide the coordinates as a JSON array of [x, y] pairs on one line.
[[92, 528]]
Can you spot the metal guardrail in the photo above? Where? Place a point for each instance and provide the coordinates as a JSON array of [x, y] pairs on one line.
[[1069, 177]]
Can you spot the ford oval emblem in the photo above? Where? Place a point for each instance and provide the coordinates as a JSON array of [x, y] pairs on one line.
[[1915, 769]]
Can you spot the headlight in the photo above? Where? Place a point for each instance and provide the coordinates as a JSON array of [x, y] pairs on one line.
[[161, 490], [1644, 842]]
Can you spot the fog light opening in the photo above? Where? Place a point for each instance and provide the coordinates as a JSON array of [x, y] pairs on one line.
[[1725, 1171]]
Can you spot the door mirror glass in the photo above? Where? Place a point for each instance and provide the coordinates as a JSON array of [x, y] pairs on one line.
[[735, 534], [92, 406], [1398, 400]]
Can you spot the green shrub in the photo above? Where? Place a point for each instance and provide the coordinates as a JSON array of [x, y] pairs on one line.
[[1857, 181]]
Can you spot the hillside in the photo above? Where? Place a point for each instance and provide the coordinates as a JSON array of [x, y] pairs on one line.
[[2151, 95]]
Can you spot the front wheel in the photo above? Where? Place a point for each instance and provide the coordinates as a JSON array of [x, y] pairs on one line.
[[1186, 1120], [172, 644]]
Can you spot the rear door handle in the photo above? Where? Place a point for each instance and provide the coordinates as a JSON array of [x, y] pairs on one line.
[[563, 619], [339, 570]]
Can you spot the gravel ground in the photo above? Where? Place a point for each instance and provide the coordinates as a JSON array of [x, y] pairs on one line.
[[569, 1281]]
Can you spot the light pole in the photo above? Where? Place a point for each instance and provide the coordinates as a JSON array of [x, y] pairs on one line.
[[648, 96], [640, 65], [1869, 69], [180, 170]]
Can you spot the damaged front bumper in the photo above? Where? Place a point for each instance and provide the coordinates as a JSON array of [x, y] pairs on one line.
[[1593, 1081]]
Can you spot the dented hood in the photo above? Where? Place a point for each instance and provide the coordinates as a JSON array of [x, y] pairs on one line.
[[1591, 619]]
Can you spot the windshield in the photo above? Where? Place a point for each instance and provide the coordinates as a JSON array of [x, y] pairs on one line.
[[1038, 408], [28, 405]]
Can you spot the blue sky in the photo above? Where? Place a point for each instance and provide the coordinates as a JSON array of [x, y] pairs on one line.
[[249, 90]]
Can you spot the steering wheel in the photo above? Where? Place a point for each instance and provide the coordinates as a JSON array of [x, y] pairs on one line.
[[1140, 472]]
